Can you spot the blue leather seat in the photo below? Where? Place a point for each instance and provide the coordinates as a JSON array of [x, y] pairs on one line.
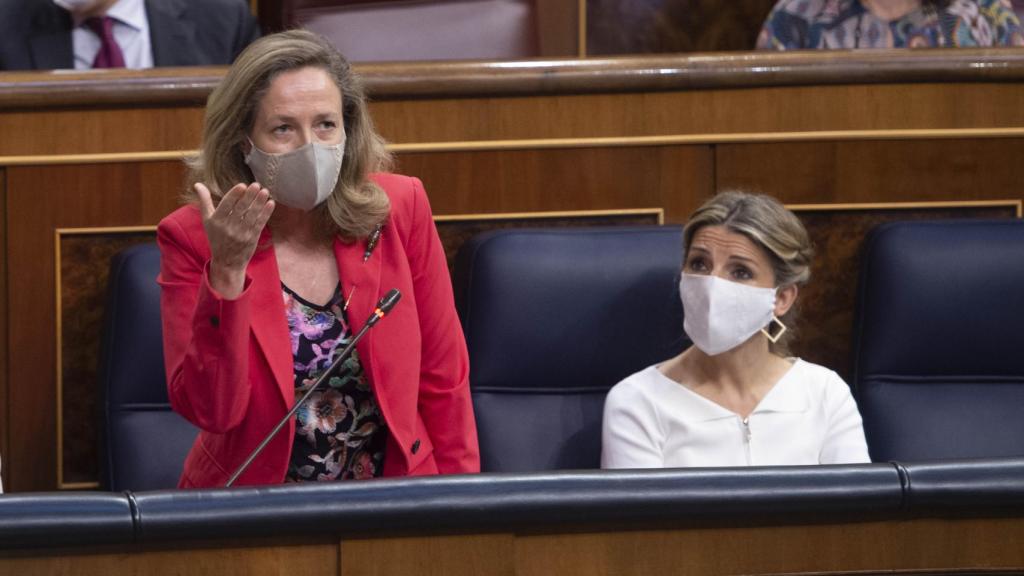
[[939, 350], [143, 443], [553, 319]]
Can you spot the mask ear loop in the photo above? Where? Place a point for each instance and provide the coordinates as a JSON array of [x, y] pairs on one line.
[[768, 332]]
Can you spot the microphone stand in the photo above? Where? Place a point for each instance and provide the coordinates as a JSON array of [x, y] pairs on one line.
[[383, 307]]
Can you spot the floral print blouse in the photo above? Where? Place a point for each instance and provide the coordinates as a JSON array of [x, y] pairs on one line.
[[825, 24], [339, 432]]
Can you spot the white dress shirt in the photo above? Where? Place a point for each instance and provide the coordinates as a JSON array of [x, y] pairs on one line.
[[808, 417], [131, 32]]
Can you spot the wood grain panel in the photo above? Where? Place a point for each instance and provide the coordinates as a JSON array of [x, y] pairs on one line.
[[676, 178], [652, 26], [50, 132], [40, 200], [558, 28], [471, 555], [312, 560], [84, 265], [889, 171], [873, 546], [4, 350], [827, 304], [787, 109]]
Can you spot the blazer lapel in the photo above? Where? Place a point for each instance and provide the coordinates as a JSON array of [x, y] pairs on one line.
[[360, 281], [50, 39], [172, 35], [269, 324]]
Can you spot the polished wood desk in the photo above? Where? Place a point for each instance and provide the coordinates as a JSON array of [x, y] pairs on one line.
[[91, 155]]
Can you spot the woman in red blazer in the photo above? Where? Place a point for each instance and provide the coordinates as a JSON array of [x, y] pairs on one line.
[[290, 238]]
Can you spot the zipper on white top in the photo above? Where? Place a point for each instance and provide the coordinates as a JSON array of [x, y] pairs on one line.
[[746, 438]]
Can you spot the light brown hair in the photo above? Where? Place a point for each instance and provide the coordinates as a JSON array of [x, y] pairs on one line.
[[357, 205]]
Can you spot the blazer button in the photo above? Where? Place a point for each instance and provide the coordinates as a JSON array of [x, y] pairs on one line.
[[215, 321], [416, 446]]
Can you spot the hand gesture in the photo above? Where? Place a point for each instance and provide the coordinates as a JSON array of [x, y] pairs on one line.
[[233, 229]]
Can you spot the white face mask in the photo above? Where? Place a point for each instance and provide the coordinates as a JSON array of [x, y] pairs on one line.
[[302, 178], [719, 315]]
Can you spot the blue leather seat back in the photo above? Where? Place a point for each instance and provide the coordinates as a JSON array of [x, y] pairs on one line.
[[939, 356], [143, 443], [553, 319]]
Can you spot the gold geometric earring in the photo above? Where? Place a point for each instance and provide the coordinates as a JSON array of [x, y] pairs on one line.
[[778, 333]]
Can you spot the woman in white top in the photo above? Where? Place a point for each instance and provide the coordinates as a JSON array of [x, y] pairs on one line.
[[736, 398]]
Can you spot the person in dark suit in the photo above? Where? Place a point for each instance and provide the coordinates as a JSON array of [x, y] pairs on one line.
[[64, 34]]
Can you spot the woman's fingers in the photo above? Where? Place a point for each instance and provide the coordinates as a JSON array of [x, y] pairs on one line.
[[266, 209], [230, 200], [205, 200]]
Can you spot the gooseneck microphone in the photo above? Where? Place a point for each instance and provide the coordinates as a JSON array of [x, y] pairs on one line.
[[381, 310]]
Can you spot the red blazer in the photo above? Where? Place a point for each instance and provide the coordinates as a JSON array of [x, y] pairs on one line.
[[230, 367]]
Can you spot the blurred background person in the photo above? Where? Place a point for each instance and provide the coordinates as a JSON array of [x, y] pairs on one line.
[[290, 238], [736, 397], [84, 34], [836, 24]]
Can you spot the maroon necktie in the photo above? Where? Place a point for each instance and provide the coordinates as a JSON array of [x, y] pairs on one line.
[[110, 55]]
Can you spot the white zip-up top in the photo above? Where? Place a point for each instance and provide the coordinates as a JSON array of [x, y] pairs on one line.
[[808, 417]]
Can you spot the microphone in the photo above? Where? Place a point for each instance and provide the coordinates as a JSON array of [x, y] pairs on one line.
[[381, 310]]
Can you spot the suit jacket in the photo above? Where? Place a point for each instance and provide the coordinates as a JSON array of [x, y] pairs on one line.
[[230, 367], [36, 34]]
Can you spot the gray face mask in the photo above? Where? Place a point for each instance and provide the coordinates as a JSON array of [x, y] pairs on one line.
[[303, 178]]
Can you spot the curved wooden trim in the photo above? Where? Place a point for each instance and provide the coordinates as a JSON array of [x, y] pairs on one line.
[[403, 80]]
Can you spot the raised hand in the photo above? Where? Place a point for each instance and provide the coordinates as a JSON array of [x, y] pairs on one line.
[[233, 229]]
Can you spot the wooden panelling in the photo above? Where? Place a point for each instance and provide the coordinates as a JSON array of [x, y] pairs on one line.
[[767, 110], [84, 266], [675, 178], [924, 547], [40, 200], [827, 304], [872, 546], [53, 132], [558, 28], [646, 26], [889, 171], [471, 555], [4, 350], [223, 560]]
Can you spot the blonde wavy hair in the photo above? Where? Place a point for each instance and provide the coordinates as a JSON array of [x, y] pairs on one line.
[[771, 227], [357, 205]]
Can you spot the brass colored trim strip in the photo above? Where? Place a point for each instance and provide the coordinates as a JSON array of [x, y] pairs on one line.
[[1017, 204], [106, 230], [79, 486], [695, 139], [101, 158], [660, 212]]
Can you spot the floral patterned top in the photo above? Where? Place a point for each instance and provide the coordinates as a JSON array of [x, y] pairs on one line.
[[339, 432], [825, 24]]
